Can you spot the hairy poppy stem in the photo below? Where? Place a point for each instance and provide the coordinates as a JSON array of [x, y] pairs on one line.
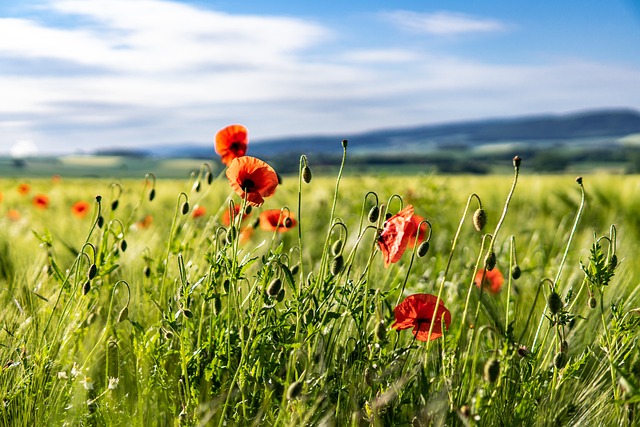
[[512, 262]]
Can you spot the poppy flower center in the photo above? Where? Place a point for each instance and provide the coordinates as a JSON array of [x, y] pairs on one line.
[[235, 147], [248, 185]]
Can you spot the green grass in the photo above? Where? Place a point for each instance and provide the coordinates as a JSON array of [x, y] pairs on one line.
[[177, 327]]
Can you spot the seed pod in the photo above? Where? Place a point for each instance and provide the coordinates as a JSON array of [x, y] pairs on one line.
[[592, 302], [124, 314], [306, 174], [123, 245], [100, 221], [294, 390], [86, 287], [381, 332], [554, 302], [152, 194], [147, 271], [423, 249], [336, 265], [516, 272], [274, 287], [492, 370], [93, 270], [479, 219], [490, 261], [560, 360], [374, 214], [114, 204], [217, 305], [185, 208], [336, 247]]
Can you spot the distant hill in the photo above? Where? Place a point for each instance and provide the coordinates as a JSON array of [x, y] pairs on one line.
[[580, 136]]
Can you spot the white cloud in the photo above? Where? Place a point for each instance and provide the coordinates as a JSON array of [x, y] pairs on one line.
[[443, 23]]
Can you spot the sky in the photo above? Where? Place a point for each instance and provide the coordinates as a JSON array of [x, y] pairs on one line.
[[76, 75]]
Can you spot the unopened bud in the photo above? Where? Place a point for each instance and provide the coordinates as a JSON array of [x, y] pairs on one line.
[[479, 219], [100, 221], [152, 194], [592, 302], [345, 143], [490, 261], [124, 314], [516, 161], [492, 370], [196, 186], [423, 249], [306, 174], [381, 331], [93, 270], [217, 305], [336, 265], [146, 271], [374, 214], [274, 287], [287, 222], [114, 204], [554, 302], [86, 287], [209, 178], [560, 360], [187, 313], [516, 272], [185, 208], [336, 247], [294, 390], [123, 245]]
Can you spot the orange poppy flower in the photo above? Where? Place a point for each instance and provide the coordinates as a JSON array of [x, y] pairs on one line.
[[417, 219], [396, 234], [246, 234], [80, 209], [417, 312], [231, 142], [24, 189], [13, 215], [274, 219], [41, 201], [252, 178], [1, 197], [226, 218], [56, 179], [493, 280], [198, 211], [145, 222]]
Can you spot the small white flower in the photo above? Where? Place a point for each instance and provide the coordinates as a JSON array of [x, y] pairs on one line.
[[87, 383], [62, 375], [113, 383], [75, 371]]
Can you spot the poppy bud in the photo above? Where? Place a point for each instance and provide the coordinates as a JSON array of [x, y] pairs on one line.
[[490, 261], [185, 208], [572, 323], [387, 216], [516, 161], [295, 269], [231, 234], [274, 287], [381, 331], [248, 209], [579, 180], [146, 271], [93, 270], [187, 313], [336, 265], [124, 314], [423, 249], [209, 177], [294, 390], [98, 198], [523, 351], [492, 370], [336, 247], [516, 272], [560, 360], [217, 305], [479, 219], [100, 221], [196, 186], [592, 302], [168, 334], [613, 261], [564, 347], [465, 411], [374, 214], [306, 174], [554, 302], [86, 287], [123, 245], [287, 222], [280, 295], [345, 143], [114, 204], [225, 285], [308, 316], [152, 194]]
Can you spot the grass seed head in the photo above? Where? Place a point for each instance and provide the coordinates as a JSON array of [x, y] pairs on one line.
[[492, 370], [554, 302], [479, 219]]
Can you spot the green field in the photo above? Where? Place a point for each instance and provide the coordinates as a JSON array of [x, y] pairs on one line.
[[180, 321]]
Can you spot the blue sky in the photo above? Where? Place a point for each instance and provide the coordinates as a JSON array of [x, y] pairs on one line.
[[82, 74]]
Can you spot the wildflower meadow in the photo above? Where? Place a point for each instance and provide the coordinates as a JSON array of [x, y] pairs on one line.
[[241, 297]]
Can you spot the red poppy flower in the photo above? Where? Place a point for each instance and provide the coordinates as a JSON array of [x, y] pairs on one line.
[[41, 201], [252, 178], [396, 234], [80, 209], [274, 219], [226, 218], [145, 222], [246, 234], [419, 311], [231, 142], [417, 219], [198, 211], [1, 197], [24, 189], [56, 179], [493, 280], [13, 215]]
